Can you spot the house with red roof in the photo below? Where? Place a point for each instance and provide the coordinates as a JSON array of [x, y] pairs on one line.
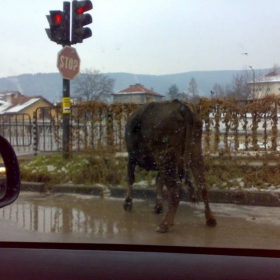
[[137, 94]]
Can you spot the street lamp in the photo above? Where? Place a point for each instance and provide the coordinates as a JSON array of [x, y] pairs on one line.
[[254, 76]]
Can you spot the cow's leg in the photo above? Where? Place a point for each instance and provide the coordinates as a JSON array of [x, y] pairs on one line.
[[210, 220], [174, 194], [197, 168], [174, 187], [191, 189], [159, 199], [130, 180], [199, 177]]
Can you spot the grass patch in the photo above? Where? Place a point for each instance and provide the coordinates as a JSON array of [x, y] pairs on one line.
[[105, 168], [226, 173], [87, 169]]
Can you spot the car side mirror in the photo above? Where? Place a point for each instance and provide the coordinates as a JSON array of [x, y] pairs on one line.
[[11, 189]]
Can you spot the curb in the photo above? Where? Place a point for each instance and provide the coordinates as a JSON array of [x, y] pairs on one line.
[[215, 196]]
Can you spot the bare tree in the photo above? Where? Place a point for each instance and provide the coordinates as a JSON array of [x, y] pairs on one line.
[[218, 91], [92, 85], [239, 86], [237, 89], [193, 87], [193, 94]]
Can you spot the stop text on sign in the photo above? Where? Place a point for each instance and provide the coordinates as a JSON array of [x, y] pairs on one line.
[[68, 63]]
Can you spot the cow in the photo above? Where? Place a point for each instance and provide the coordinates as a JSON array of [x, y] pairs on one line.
[[166, 137]]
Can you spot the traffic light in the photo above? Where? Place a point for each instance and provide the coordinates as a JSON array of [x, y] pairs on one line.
[[59, 22], [79, 19]]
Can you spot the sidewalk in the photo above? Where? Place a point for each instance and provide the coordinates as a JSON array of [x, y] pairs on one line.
[[256, 198]]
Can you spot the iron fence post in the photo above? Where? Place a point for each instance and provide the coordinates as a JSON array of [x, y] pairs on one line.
[[34, 131]]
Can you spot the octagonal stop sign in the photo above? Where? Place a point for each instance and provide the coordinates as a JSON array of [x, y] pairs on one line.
[[68, 63]]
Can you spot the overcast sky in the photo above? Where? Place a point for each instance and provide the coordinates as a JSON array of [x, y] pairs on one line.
[[147, 37]]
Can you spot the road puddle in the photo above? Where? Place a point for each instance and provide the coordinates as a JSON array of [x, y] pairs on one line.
[[79, 218]]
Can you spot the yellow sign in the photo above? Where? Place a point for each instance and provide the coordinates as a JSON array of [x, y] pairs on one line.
[[66, 105]]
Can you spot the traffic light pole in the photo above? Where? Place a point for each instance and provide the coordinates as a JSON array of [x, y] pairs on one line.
[[66, 95], [66, 121], [59, 32]]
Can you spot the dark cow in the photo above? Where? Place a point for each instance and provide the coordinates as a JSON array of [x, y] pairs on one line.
[[166, 136]]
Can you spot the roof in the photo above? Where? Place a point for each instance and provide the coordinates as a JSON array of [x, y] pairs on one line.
[[18, 108], [8, 93], [137, 89], [19, 103], [272, 77], [4, 106]]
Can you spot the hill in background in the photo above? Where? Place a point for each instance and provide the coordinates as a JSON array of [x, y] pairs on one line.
[[49, 85]]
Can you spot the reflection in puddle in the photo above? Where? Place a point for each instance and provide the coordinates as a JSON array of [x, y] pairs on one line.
[[80, 218], [56, 214]]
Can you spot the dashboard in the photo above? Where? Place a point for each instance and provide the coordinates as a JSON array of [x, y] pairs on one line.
[[114, 261]]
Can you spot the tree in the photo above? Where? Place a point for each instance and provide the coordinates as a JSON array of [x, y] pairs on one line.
[[92, 85], [173, 91], [237, 89], [193, 94], [182, 96], [193, 87], [218, 91]]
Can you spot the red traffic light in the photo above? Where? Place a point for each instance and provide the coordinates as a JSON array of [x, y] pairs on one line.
[[82, 6], [59, 22], [58, 18], [55, 18], [79, 20]]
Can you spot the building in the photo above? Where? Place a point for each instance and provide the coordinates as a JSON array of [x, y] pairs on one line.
[[14, 102], [265, 85], [137, 94]]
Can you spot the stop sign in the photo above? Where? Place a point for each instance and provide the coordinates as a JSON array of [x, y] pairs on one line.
[[68, 63]]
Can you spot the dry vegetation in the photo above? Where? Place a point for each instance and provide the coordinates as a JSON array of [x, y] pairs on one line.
[[249, 126], [99, 168]]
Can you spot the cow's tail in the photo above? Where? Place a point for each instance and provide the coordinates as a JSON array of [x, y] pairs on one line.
[[196, 155]]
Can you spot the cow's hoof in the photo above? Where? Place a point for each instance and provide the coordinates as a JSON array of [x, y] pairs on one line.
[[127, 206], [162, 228], [158, 209], [211, 222]]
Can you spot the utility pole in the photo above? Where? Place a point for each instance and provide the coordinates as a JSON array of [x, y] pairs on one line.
[[254, 77]]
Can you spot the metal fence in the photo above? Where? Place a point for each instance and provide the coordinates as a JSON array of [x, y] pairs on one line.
[[17, 129], [232, 125], [90, 127]]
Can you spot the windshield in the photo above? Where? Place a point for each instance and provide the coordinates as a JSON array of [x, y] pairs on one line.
[[142, 123]]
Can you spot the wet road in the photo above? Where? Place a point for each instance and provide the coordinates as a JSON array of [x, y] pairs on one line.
[[80, 218]]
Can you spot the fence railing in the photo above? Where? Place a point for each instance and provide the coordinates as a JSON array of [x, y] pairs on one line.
[[231, 125], [17, 129], [241, 125]]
